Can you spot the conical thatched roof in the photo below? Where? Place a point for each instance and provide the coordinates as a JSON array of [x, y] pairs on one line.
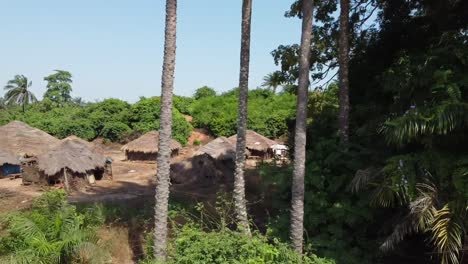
[[78, 140], [22, 139], [8, 158], [75, 155], [255, 141], [148, 143], [220, 148]]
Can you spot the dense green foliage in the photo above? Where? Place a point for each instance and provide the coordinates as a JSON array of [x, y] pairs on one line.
[[268, 114], [409, 95], [193, 245], [337, 223], [204, 237], [59, 87], [52, 231], [203, 92], [112, 119]]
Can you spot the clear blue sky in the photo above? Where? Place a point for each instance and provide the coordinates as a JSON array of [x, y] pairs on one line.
[[114, 48]]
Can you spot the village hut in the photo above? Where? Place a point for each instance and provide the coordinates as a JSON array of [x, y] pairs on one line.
[[24, 140], [258, 146], [94, 146], [219, 149], [71, 162], [212, 164], [145, 148], [9, 164], [202, 170]]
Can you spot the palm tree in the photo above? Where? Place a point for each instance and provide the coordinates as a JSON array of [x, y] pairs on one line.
[[239, 185], [273, 80], [426, 182], [18, 92], [343, 56], [440, 215], [164, 154], [297, 200], [2, 103]]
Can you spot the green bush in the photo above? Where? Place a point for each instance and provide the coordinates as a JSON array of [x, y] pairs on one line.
[[52, 231], [192, 245], [146, 113], [204, 92], [183, 104], [268, 114], [115, 131]]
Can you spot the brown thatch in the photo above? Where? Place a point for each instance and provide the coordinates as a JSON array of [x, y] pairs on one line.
[[79, 140], [8, 158], [220, 148], [94, 146], [74, 155], [255, 141], [148, 143], [202, 170], [21, 139]]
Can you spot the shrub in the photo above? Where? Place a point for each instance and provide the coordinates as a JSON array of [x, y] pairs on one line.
[[53, 231], [115, 131], [183, 104], [192, 245], [204, 92], [268, 114], [145, 117]]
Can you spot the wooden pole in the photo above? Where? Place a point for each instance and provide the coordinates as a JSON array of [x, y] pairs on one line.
[[65, 176]]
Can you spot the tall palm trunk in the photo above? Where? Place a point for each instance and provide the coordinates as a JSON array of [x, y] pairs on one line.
[[343, 56], [239, 184], [297, 201], [164, 154]]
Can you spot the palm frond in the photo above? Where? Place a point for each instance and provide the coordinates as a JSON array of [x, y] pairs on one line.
[[361, 179], [447, 233], [408, 226], [439, 120], [424, 206], [385, 196]]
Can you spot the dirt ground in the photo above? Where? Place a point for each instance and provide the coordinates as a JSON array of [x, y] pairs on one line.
[[130, 180], [132, 184]]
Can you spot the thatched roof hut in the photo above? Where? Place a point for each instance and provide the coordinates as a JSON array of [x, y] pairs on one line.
[[95, 147], [9, 164], [22, 139], [8, 158], [75, 156], [146, 147], [220, 148], [202, 170], [257, 144]]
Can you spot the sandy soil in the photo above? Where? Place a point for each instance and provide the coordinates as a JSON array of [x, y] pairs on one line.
[[131, 180]]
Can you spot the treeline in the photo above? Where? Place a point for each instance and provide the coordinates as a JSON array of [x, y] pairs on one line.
[[117, 120], [112, 119], [268, 113]]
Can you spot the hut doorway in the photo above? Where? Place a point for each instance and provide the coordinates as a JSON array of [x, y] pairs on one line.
[[8, 169]]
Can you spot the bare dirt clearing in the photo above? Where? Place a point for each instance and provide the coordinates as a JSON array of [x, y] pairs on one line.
[[131, 181]]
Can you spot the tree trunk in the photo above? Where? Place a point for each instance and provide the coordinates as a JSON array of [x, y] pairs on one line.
[[164, 153], [239, 183], [343, 56], [297, 201]]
